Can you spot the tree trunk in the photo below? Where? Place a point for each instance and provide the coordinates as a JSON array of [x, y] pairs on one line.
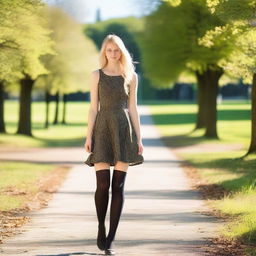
[[24, 126], [212, 87], [47, 101], [65, 96], [2, 123], [252, 148], [201, 101], [57, 99]]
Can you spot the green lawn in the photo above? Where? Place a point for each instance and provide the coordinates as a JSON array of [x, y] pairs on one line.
[[71, 134], [20, 179], [224, 166], [179, 120]]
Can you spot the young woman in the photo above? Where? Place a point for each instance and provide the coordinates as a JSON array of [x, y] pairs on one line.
[[113, 133]]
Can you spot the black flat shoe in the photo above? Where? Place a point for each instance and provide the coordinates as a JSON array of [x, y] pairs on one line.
[[101, 244], [109, 252], [101, 239], [109, 246]]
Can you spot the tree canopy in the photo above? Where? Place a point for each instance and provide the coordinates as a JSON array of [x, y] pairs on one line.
[[75, 58], [171, 41], [22, 43]]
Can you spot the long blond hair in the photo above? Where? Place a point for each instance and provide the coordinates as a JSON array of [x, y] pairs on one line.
[[125, 61]]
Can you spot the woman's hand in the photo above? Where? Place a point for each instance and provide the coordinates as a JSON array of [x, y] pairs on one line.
[[87, 144], [140, 146]]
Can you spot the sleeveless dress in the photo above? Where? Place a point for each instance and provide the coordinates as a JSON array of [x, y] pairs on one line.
[[113, 135]]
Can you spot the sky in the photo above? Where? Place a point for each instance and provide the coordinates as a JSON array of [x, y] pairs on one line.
[[84, 11]]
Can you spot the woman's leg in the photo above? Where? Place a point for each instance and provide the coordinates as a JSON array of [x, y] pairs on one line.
[[117, 200], [101, 198]]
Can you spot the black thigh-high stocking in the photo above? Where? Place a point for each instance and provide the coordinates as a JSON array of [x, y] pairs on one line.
[[101, 202], [117, 202]]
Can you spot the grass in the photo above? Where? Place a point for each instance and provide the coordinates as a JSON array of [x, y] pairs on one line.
[[21, 179], [179, 120], [224, 166], [68, 135], [237, 176]]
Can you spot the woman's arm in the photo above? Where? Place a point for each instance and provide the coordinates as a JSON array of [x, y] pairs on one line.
[[94, 102], [132, 107]]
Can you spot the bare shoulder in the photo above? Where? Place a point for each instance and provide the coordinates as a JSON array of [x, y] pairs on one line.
[[95, 75], [134, 78]]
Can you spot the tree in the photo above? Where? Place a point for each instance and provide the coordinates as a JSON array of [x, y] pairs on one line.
[[26, 42], [171, 44], [2, 123], [242, 62], [10, 59], [36, 43], [69, 68]]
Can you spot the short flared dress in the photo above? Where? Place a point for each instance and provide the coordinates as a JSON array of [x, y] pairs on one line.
[[113, 135]]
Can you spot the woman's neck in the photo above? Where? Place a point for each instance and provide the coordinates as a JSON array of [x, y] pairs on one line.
[[113, 68]]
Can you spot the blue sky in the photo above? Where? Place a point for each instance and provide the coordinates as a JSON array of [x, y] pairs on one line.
[[85, 10]]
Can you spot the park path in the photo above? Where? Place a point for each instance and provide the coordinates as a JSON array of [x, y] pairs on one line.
[[162, 215]]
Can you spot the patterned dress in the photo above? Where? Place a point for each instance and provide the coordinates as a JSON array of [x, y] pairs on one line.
[[113, 136]]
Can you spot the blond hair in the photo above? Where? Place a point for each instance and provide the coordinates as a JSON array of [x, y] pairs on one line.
[[125, 61]]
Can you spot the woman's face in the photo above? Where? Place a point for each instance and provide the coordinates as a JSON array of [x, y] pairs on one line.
[[113, 53]]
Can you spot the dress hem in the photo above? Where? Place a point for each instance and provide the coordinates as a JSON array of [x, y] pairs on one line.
[[131, 163]]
